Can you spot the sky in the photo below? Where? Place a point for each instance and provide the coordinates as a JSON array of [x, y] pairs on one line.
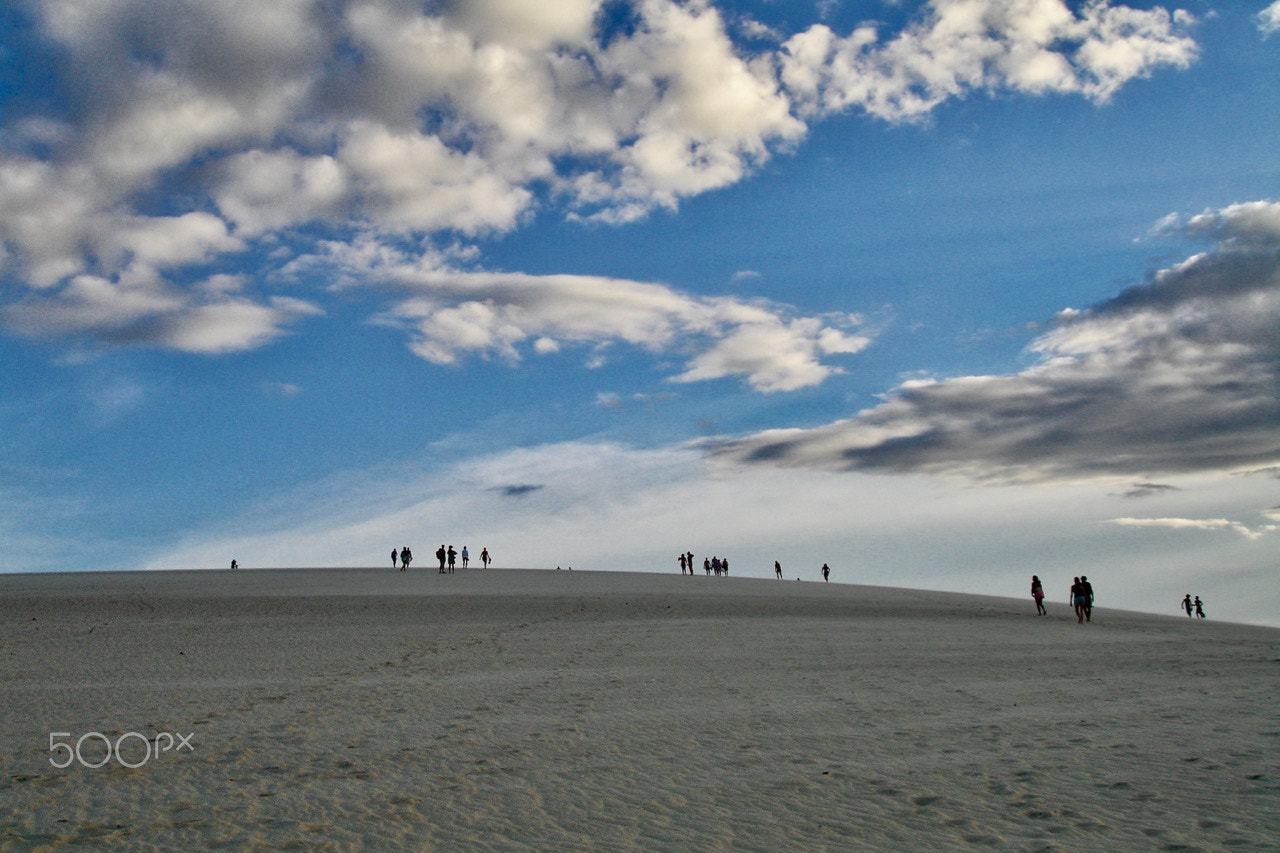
[[943, 294]]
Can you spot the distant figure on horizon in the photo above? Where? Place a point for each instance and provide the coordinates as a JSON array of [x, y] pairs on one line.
[[484, 557], [466, 558], [706, 565], [453, 559], [1077, 599], [1088, 598], [1186, 604], [777, 570], [234, 565], [724, 566], [406, 557], [440, 555], [689, 555], [1037, 592], [395, 558], [826, 572], [715, 565], [1199, 608], [684, 564]]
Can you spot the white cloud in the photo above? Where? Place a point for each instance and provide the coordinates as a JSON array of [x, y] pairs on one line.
[[455, 313], [209, 128], [146, 312], [959, 46], [775, 354], [1253, 223], [1191, 524], [1178, 375], [1269, 19], [266, 190], [228, 325]]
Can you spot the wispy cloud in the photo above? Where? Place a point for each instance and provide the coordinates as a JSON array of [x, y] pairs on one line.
[[452, 313], [1269, 19], [1214, 524], [1176, 375]]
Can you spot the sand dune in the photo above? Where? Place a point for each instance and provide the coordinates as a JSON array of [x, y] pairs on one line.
[[336, 709]]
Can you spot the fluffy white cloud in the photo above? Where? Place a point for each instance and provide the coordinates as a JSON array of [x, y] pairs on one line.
[[263, 191], [775, 354], [958, 46], [1175, 376], [202, 129]]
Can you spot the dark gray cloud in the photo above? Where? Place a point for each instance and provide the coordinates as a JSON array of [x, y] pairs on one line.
[[1146, 490], [1181, 374], [519, 491]]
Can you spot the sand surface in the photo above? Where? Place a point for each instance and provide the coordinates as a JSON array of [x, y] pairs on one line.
[[543, 710]]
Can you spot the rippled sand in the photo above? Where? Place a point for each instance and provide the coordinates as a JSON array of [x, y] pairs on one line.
[[340, 709]]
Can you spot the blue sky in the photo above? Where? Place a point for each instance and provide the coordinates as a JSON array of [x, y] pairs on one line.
[[943, 294]]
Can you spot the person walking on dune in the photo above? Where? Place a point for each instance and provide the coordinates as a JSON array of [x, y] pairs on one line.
[[826, 573], [1077, 599], [406, 557], [395, 556], [777, 570], [1037, 592], [466, 557], [1199, 608], [1186, 604], [1087, 588], [440, 555], [484, 557]]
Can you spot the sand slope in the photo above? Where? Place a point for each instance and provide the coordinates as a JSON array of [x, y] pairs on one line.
[[338, 709]]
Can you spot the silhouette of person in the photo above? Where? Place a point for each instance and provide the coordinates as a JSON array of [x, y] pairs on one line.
[[466, 558], [1037, 592], [1077, 599], [406, 557], [1199, 608], [706, 565], [440, 555], [395, 556], [453, 559], [1088, 598], [1186, 604], [234, 564], [484, 557], [777, 570], [724, 566], [683, 564], [826, 571]]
